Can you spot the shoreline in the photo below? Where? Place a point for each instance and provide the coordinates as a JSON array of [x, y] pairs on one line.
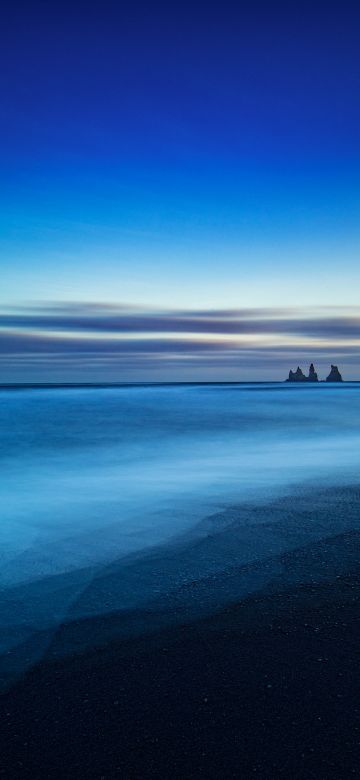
[[265, 686], [268, 686]]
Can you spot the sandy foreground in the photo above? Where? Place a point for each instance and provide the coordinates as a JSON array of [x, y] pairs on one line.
[[262, 685]]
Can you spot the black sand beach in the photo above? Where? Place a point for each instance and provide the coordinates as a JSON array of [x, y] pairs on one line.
[[266, 686]]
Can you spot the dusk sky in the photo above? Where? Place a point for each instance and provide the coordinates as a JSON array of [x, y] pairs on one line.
[[179, 190]]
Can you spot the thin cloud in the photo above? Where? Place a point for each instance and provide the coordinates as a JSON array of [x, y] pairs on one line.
[[123, 341], [92, 319]]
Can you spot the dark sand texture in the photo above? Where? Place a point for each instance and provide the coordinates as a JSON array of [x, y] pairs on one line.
[[267, 686]]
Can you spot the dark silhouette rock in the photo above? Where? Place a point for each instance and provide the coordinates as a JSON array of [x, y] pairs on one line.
[[298, 376], [313, 377], [334, 375]]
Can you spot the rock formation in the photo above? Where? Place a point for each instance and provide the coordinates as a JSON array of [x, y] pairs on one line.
[[334, 375], [313, 377], [298, 376]]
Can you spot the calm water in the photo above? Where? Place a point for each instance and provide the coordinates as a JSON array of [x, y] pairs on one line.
[[95, 476]]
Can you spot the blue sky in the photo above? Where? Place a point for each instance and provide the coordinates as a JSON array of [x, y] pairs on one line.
[[179, 158]]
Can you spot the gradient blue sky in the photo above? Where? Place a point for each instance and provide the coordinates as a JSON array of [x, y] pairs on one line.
[[179, 158]]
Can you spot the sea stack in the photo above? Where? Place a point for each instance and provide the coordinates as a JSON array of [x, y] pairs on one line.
[[313, 377], [298, 376], [334, 375]]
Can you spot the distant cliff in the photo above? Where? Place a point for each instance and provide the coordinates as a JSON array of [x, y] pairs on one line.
[[299, 376]]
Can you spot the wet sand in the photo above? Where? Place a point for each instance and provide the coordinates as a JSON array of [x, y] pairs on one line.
[[267, 686]]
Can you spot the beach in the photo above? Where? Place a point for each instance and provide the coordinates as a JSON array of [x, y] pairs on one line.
[[227, 648]]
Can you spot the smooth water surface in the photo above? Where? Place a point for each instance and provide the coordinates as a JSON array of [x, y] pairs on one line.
[[94, 476]]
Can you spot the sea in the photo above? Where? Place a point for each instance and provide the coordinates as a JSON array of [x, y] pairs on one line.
[[153, 502]]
